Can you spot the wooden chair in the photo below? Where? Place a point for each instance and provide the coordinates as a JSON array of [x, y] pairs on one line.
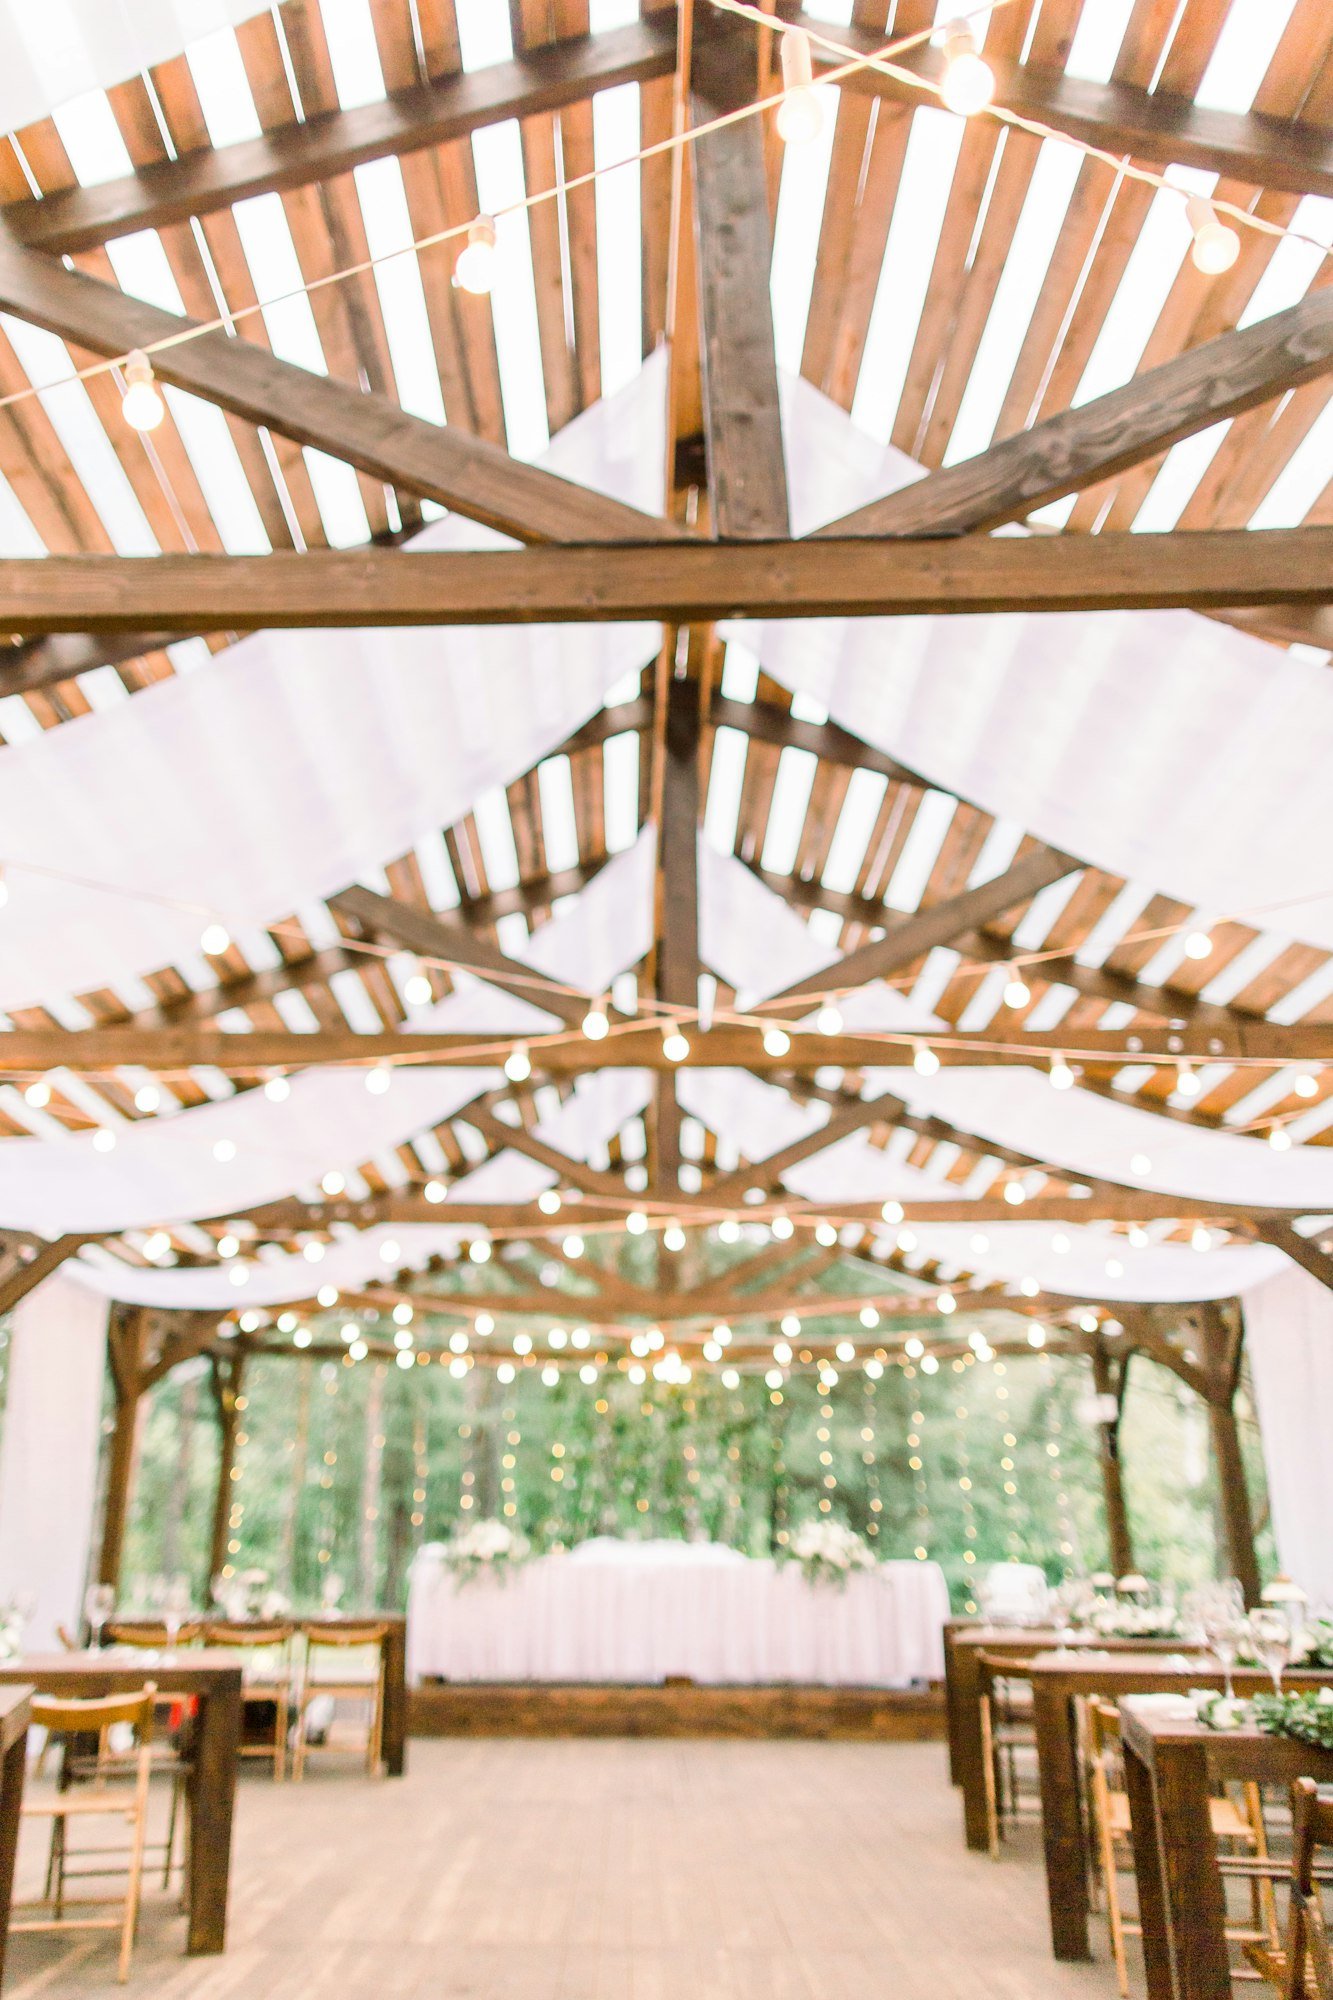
[[1242, 1830], [267, 1679], [323, 1640], [106, 1794], [1006, 1729], [172, 1751], [1303, 1969]]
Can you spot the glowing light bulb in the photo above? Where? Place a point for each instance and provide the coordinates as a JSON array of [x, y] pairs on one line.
[[214, 939], [946, 1302], [892, 1211], [825, 1235], [417, 992], [147, 1097], [1306, 1085], [378, 1079], [800, 114], [674, 1046], [595, 1025], [277, 1089], [968, 83], [1198, 945], [1017, 992], [475, 270], [1201, 1238], [518, 1066], [38, 1095], [1013, 1194], [333, 1182], [548, 1201], [1216, 245], [1036, 1336], [1280, 1139], [1187, 1083], [776, 1042], [829, 1021], [434, 1191], [636, 1222], [141, 406], [1062, 1076], [673, 1237], [104, 1140], [924, 1060], [1140, 1164]]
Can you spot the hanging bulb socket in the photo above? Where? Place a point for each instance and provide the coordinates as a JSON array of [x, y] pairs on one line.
[[475, 270], [968, 83], [800, 114], [1216, 245], [141, 405]]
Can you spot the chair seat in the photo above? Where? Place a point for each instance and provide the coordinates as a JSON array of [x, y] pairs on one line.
[[1227, 1822]]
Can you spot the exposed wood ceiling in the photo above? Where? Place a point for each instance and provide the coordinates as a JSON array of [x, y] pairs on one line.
[[934, 928]]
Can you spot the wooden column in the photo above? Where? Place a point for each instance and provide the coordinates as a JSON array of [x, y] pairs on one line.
[[678, 917], [124, 1350], [1223, 1347], [226, 1377], [1109, 1378]]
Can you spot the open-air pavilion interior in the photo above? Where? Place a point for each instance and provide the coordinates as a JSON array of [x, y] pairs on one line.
[[666, 994]]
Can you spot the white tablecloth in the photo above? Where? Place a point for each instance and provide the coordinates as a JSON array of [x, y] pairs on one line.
[[632, 1614]]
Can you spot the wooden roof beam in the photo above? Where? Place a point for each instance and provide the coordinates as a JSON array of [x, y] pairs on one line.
[[675, 583], [368, 431], [434, 937], [1253, 147], [1216, 380], [292, 156]]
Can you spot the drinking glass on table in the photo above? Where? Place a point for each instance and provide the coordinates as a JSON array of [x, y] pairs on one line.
[[1222, 1614], [1270, 1636], [99, 1601], [175, 1608], [330, 1591]]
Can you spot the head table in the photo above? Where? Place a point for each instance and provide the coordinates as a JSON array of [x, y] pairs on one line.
[[643, 1612]]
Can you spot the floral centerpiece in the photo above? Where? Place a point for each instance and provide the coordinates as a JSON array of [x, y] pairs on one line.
[[1315, 1643], [1308, 1715], [484, 1548], [828, 1552], [13, 1618]]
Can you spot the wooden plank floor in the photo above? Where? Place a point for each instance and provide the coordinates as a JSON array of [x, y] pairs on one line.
[[605, 1870]]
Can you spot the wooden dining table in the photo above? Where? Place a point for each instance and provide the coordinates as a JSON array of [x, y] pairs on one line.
[[393, 1651], [1171, 1764], [213, 1679], [15, 1715], [1058, 1680], [965, 1640]]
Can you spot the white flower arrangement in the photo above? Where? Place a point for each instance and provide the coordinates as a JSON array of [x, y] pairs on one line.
[[12, 1621], [1110, 1619], [828, 1552], [484, 1548]]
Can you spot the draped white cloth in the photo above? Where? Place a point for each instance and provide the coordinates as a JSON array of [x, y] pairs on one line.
[[55, 51], [643, 1613], [296, 762], [1289, 1334], [49, 1440], [1159, 745]]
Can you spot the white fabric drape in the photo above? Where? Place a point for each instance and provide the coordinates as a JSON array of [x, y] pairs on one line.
[[58, 49], [49, 1446], [1289, 1333], [297, 762], [1159, 745]]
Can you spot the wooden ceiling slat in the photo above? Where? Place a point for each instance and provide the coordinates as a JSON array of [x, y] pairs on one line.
[[576, 148]]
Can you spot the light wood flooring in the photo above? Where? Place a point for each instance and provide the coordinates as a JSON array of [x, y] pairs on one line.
[[605, 1870]]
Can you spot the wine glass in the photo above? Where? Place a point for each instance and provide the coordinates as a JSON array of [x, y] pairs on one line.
[[1222, 1613], [330, 1590], [1270, 1636], [175, 1608], [99, 1601]]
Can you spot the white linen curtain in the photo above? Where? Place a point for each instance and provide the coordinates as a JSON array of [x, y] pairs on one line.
[[1289, 1333], [55, 50], [49, 1444]]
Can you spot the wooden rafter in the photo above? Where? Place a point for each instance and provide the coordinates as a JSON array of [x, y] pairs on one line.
[[370, 431], [1203, 386], [680, 583], [334, 142]]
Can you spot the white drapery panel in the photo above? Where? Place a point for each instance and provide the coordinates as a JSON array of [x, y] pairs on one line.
[[58, 49], [165, 1169], [295, 762], [1159, 745], [1084, 1261], [1289, 1333], [49, 1444]]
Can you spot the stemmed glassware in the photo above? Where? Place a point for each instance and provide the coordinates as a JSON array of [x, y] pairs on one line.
[[99, 1601], [1270, 1636], [175, 1608], [1220, 1610], [330, 1590]]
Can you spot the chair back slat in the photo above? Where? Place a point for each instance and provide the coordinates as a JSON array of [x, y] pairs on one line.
[[149, 1636], [343, 1635], [226, 1632], [69, 1715]]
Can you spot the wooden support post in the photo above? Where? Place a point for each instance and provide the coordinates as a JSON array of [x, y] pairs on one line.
[[124, 1349], [1223, 1343], [678, 923], [226, 1377], [1110, 1381]]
